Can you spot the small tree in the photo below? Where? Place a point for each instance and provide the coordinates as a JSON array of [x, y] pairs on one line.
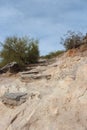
[[19, 50], [72, 40]]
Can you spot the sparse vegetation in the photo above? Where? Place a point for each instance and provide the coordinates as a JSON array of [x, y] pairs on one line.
[[53, 54], [24, 50]]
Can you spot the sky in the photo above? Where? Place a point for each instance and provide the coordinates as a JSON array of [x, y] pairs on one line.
[[45, 20]]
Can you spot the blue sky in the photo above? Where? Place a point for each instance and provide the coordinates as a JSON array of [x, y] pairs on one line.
[[45, 20]]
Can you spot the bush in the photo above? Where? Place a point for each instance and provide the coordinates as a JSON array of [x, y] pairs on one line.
[[21, 50], [72, 40]]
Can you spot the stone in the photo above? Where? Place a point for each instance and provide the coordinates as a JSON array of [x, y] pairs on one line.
[[29, 72], [11, 67], [32, 77], [14, 99]]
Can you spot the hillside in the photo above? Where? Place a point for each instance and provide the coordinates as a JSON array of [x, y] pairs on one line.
[[56, 95]]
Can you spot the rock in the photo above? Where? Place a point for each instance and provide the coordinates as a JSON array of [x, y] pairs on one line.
[[42, 76], [29, 72], [42, 60], [11, 67], [14, 99], [35, 77]]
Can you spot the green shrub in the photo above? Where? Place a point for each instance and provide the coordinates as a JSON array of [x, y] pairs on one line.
[[21, 50]]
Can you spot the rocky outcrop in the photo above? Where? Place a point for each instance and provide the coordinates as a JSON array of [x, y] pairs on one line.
[[34, 74], [56, 104]]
